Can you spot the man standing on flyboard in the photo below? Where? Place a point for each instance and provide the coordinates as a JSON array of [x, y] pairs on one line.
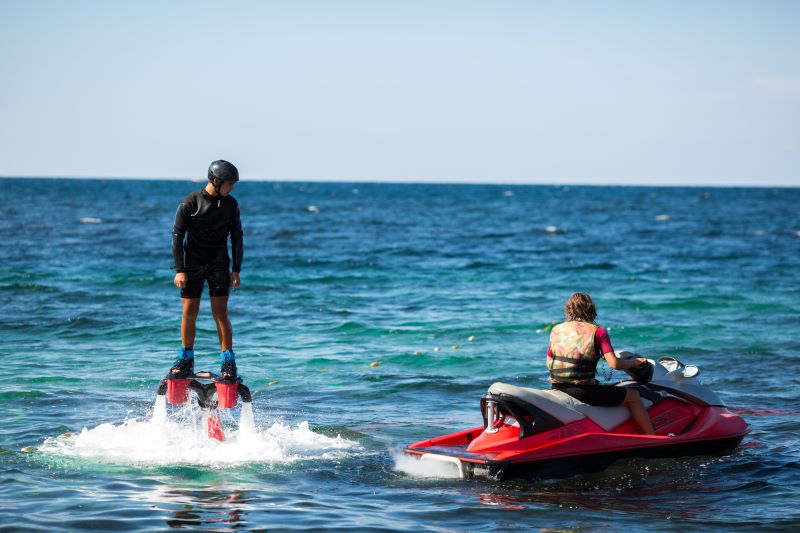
[[203, 223]]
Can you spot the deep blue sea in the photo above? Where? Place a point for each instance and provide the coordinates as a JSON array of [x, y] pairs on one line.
[[448, 288]]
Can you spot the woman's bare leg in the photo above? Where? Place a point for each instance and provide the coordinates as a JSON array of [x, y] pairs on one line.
[[634, 403]]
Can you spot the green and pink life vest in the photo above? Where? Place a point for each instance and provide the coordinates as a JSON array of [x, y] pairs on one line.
[[573, 357]]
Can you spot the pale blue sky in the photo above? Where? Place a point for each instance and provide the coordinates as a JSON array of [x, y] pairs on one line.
[[539, 92]]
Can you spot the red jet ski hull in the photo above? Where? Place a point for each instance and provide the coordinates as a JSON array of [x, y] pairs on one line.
[[682, 428]]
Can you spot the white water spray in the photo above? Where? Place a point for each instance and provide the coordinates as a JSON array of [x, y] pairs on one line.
[[247, 424], [181, 438], [160, 410], [413, 466]]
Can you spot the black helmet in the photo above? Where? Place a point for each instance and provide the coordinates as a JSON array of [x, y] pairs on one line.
[[223, 171]]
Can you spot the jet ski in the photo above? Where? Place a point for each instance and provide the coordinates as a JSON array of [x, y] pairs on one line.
[[211, 392], [542, 434]]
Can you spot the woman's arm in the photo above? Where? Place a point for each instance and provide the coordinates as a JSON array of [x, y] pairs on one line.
[[618, 363]]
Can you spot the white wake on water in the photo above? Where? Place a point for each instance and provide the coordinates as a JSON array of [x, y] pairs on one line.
[[413, 466], [183, 440]]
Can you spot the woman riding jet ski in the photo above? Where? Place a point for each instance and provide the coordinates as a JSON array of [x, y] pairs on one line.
[[580, 426], [575, 348]]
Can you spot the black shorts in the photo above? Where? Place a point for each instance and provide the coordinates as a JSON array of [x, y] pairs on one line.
[[599, 395], [219, 282]]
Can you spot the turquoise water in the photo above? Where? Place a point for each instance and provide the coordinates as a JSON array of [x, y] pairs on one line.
[[337, 277]]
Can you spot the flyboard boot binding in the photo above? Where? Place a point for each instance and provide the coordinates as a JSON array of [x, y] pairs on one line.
[[212, 392]]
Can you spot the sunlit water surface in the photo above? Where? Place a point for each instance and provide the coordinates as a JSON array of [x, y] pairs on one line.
[[447, 289]]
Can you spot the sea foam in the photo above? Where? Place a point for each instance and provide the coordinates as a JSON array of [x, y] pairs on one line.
[[183, 440]]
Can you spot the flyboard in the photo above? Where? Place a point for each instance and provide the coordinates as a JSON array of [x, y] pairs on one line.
[[212, 393]]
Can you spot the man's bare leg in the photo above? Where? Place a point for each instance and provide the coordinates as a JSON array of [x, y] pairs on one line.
[[219, 310], [191, 307]]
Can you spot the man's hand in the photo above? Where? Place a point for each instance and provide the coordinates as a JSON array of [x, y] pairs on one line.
[[180, 279], [235, 280]]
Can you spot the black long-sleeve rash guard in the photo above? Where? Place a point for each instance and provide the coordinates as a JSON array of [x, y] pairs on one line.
[[200, 235]]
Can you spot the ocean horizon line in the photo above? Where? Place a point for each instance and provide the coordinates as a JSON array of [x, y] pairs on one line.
[[428, 181]]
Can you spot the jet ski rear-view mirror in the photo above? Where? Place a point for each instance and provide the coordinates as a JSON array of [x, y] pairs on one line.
[[691, 371], [673, 366], [670, 363]]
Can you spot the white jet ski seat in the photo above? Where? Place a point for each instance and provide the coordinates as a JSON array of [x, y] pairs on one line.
[[565, 408]]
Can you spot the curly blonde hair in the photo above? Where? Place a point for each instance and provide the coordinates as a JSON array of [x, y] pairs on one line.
[[580, 307]]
